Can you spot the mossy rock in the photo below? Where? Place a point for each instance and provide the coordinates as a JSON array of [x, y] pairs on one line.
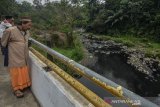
[[59, 39]]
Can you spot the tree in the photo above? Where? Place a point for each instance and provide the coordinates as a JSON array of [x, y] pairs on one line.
[[92, 6], [37, 3], [8, 7]]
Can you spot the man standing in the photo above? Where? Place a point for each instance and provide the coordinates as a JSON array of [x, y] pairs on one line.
[[5, 24], [17, 40], [8, 22]]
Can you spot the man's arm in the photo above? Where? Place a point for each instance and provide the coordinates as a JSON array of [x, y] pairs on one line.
[[7, 25], [5, 37]]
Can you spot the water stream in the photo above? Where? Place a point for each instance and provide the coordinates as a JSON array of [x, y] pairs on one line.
[[116, 69]]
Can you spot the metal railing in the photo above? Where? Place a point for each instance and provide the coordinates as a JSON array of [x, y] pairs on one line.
[[107, 84], [87, 93]]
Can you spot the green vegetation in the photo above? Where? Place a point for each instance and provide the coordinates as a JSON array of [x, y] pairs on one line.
[[39, 50], [137, 17], [150, 47], [125, 17], [135, 23], [74, 52]]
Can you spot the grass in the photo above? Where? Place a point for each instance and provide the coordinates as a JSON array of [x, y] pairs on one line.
[[39, 50], [150, 47], [72, 53]]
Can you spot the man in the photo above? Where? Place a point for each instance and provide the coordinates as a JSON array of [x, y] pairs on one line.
[[17, 40], [8, 22]]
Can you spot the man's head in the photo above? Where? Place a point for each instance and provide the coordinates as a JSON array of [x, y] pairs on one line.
[[9, 19], [25, 23]]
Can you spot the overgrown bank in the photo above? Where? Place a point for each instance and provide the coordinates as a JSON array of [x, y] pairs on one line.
[[61, 43], [116, 59], [150, 47]]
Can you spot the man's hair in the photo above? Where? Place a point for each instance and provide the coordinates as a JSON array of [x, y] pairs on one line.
[[8, 17]]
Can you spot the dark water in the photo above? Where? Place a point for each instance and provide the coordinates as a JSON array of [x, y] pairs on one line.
[[113, 68], [116, 69]]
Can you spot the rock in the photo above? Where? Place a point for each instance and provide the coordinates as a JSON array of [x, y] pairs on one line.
[[90, 56], [60, 39], [135, 58]]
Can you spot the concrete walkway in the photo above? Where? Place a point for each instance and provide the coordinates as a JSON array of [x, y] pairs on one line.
[[7, 99]]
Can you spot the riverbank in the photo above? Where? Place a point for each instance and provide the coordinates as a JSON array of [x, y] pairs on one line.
[[137, 54], [128, 66], [66, 44], [150, 47]]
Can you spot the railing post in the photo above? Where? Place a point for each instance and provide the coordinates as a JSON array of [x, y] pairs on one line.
[[48, 43], [48, 55]]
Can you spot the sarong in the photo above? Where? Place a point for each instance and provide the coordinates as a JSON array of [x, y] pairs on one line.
[[20, 78]]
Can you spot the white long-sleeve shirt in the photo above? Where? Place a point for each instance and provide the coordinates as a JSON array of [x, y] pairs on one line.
[[3, 26]]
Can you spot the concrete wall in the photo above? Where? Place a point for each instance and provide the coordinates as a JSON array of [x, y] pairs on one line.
[[52, 91]]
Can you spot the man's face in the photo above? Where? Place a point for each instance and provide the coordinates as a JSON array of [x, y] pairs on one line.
[[11, 20], [26, 26]]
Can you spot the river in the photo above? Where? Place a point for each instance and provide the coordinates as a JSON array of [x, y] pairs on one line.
[[115, 68]]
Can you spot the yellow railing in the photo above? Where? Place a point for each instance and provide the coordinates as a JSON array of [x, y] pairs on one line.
[[92, 97], [113, 88]]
